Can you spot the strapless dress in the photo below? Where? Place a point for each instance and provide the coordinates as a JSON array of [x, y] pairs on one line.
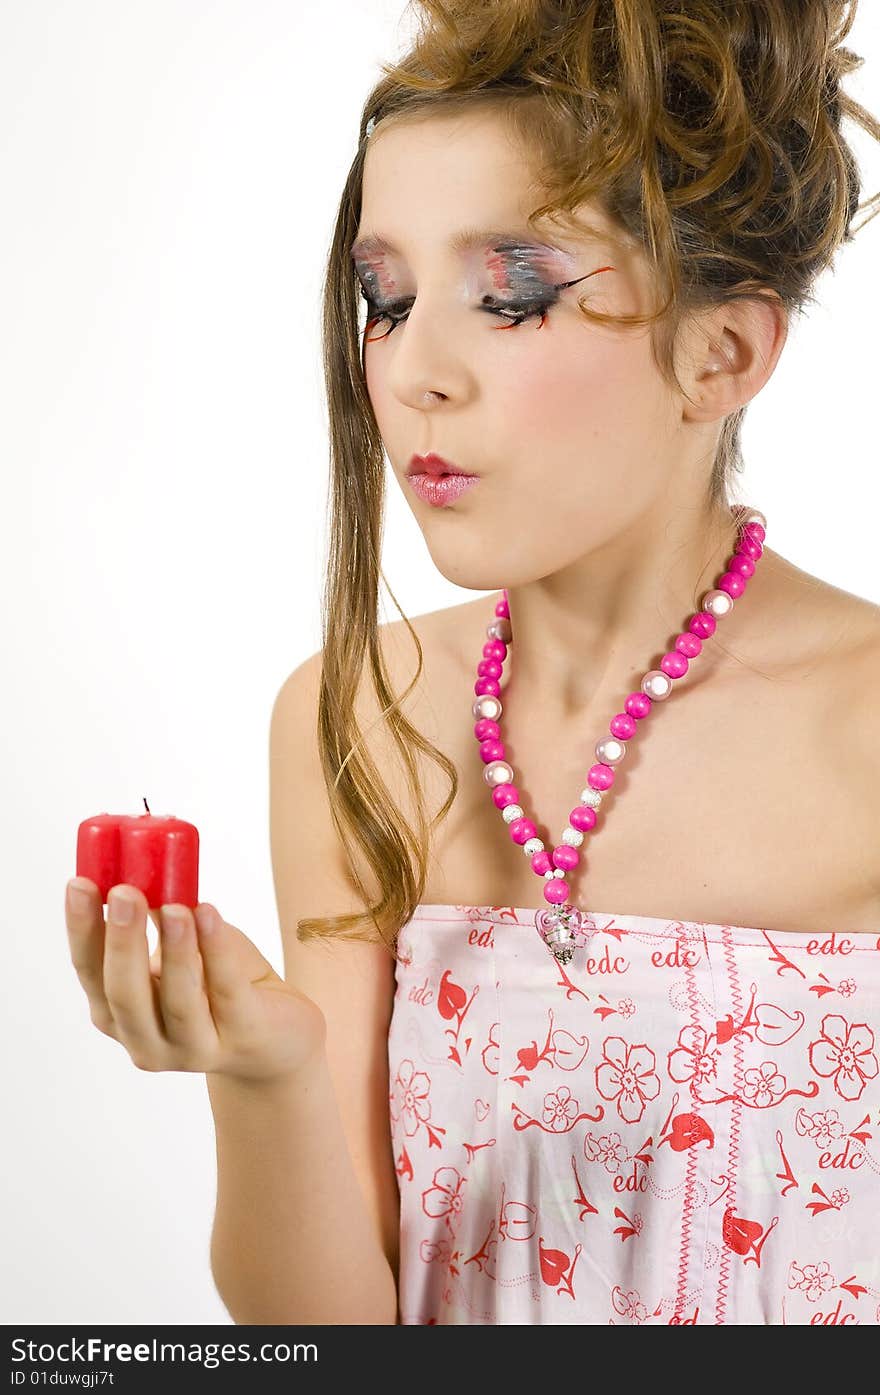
[[679, 1127]]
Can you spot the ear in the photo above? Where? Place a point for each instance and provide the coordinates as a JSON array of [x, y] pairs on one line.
[[729, 353]]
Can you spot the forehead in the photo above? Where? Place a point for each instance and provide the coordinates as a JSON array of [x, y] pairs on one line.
[[458, 181]]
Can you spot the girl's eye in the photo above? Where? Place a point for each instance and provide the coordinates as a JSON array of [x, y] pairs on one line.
[[514, 313]]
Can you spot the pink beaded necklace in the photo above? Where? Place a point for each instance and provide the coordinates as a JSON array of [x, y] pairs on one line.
[[564, 926]]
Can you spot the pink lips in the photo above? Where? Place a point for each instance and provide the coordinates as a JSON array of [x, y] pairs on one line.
[[436, 480], [441, 489]]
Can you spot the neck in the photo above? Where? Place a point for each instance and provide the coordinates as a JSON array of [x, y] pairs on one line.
[[590, 631]]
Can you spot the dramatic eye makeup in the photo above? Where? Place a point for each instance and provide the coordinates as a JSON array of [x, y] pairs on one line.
[[520, 271]]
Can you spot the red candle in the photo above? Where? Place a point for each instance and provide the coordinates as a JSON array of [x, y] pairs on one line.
[[159, 854]]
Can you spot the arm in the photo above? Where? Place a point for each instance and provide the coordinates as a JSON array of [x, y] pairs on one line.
[[307, 1213]]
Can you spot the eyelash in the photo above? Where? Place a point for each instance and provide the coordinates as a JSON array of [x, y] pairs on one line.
[[520, 311]]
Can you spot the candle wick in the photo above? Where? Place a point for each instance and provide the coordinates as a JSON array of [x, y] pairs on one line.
[[146, 805]]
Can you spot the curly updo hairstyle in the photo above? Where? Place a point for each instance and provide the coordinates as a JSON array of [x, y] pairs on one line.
[[709, 130]]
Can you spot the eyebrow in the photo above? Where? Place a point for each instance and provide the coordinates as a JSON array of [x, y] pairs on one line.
[[367, 244]]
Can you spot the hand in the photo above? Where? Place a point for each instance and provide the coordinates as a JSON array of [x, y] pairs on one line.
[[206, 1000]]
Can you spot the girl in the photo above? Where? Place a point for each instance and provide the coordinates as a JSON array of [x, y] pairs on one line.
[[516, 1071]]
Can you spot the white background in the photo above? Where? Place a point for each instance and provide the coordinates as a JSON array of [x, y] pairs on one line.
[[170, 175]]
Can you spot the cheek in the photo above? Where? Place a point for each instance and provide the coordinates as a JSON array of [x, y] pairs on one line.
[[584, 388]]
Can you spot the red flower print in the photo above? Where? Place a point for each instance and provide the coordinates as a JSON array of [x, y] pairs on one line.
[[695, 1059], [439, 1250], [560, 1109], [627, 1075], [846, 987], [626, 1007], [763, 1085], [409, 1097], [629, 1305], [608, 1150], [822, 1127], [443, 1199], [813, 1279], [840, 1196], [844, 1050]]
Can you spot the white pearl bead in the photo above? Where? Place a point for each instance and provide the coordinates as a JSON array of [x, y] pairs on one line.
[[753, 516], [532, 846], [718, 603], [592, 798], [511, 812], [657, 685], [551, 873], [487, 706], [500, 629], [498, 772], [610, 751], [559, 872], [572, 836]]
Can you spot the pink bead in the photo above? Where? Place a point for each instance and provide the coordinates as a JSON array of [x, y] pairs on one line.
[[747, 547], [503, 609], [495, 649], [689, 645], [489, 668], [486, 727], [566, 857], [491, 750], [703, 624], [744, 565], [502, 795], [600, 777], [540, 862], [582, 818], [622, 726], [521, 830], [638, 705], [674, 664], [755, 531], [487, 685], [555, 891], [732, 583]]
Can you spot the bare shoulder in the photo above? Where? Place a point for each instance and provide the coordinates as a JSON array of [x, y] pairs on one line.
[[850, 730]]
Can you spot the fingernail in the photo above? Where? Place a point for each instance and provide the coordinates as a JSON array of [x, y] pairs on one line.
[[173, 922], [121, 908], [77, 898]]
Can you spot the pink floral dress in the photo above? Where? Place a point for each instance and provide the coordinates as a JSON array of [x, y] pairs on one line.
[[678, 1127]]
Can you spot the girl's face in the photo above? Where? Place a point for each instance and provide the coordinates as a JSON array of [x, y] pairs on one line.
[[569, 425]]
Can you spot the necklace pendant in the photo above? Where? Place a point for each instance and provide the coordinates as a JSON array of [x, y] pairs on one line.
[[558, 928]]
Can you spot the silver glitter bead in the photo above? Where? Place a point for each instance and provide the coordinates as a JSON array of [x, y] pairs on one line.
[[498, 772], [532, 846], [610, 750], [572, 836], [718, 603], [561, 942], [487, 706], [592, 798], [500, 629], [511, 812], [657, 685]]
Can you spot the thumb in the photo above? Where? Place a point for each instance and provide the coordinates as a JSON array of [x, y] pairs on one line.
[[253, 962]]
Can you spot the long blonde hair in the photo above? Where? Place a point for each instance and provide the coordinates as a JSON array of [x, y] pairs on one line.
[[711, 134]]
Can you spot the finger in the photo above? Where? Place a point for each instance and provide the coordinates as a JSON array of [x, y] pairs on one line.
[[128, 985], [84, 917], [183, 1003], [229, 990]]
